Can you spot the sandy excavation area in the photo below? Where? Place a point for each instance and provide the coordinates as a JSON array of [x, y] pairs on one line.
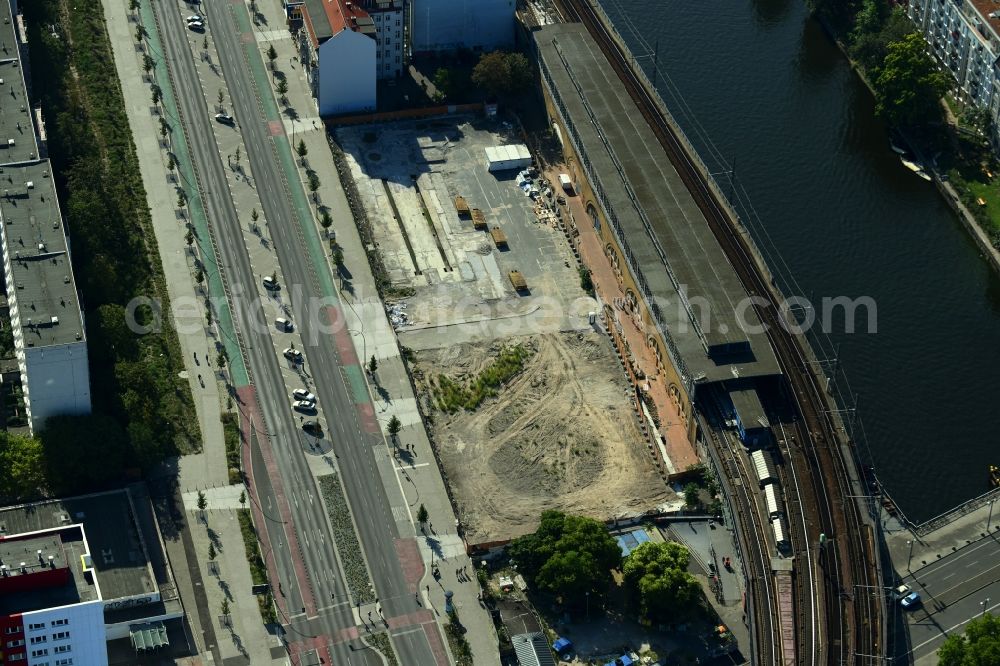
[[559, 435]]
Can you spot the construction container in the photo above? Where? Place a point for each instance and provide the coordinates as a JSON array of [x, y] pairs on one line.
[[478, 219], [504, 158], [499, 237], [462, 207], [517, 280]]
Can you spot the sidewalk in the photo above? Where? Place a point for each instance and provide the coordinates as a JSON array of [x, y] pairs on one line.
[[416, 473], [910, 557], [208, 468], [640, 362]]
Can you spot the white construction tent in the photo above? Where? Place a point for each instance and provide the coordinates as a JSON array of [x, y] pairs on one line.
[[513, 156]]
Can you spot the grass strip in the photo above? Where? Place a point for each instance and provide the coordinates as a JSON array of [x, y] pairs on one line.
[[346, 539], [258, 572], [381, 642]]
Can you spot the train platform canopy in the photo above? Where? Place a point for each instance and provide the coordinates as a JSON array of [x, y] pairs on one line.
[[701, 300], [748, 409]]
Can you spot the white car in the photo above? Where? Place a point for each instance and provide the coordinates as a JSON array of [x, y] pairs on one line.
[[270, 283], [293, 355], [195, 19], [303, 395], [224, 118], [304, 407], [197, 26]]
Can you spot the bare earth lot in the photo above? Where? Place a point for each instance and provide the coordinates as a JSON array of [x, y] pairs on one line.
[[560, 435]]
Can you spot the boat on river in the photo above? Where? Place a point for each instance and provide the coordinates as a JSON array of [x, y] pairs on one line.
[[915, 167]]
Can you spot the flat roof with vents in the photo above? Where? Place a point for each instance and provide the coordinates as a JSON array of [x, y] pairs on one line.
[[17, 135], [34, 238]]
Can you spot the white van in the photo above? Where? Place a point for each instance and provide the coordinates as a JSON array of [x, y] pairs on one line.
[[284, 325]]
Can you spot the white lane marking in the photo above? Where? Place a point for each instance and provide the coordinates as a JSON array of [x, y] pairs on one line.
[[945, 632]]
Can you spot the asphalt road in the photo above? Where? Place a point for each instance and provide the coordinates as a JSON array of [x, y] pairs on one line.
[[363, 485], [953, 590]]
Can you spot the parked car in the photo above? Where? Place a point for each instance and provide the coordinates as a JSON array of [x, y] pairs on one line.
[[293, 355], [303, 394], [304, 407], [313, 428], [224, 118], [197, 26], [195, 18], [901, 591], [912, 600], [284, 325], [270, 283]]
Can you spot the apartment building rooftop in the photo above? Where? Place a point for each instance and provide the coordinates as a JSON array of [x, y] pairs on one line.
[[45, 570], [989, 10], [117, 545], [325, 18], [44, 286], [40, 264]]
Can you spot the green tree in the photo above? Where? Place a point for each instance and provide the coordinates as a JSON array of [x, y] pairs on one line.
[[657, 574], [133, 6], [870, 49], [243, 498], [978, 646], [157, 93], [338, 258], [586, 281], [225, 606], [302, 151], [909, 86], [140, 33], [147, 63], [568, 556], [372, 365], [444, 81], [282, 90], [394, 426], [211, 551], [499, 73], [325, 220], [978, 119], [870, 18], [692, 495], [272, 55], [71, 464], [202, 501], [422, 516], [313, 179], [22, 462]]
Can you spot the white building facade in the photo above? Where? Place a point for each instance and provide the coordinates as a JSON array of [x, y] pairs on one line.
[[964, 37], [448, 25], [67, 636]]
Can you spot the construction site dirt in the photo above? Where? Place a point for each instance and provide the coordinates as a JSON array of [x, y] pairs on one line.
[[560, 434]]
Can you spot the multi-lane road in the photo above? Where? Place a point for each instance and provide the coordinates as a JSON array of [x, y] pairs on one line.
[[319, 610], [953, 590]]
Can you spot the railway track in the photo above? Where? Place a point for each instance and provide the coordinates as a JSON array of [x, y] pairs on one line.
[[844, 566]]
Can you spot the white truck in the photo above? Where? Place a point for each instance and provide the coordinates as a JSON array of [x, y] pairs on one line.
[[566, 182]]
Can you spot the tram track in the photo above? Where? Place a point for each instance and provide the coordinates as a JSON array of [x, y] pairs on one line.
[[849, 625]]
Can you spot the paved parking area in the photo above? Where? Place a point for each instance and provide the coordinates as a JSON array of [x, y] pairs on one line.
[[408, 175]]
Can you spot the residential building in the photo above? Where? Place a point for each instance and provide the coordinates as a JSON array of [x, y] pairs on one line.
[[449, 25], [46, 317], [964, 37], [77, 573], [346, 46]]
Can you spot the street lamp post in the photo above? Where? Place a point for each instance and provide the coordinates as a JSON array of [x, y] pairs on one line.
[[985, 604], [909, 542], [989, 518]]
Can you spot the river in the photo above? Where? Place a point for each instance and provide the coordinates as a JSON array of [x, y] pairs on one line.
[[841, 216]]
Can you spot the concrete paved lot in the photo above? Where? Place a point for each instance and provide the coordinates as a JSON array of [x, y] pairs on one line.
[[408, 175]]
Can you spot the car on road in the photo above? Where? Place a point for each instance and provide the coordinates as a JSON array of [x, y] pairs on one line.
[[304, 407], [270, 283], [284, 325], [313, 428], [303, 394], [197, 26], [293, 355], [195, 18], [901, 591], [912, 600], [224, 118]]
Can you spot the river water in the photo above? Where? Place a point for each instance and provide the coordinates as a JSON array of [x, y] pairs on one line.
[[840, 216]]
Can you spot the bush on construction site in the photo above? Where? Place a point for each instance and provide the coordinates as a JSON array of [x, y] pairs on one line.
[[136, 378], [656, 574], [450, 396], [570, 557]]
